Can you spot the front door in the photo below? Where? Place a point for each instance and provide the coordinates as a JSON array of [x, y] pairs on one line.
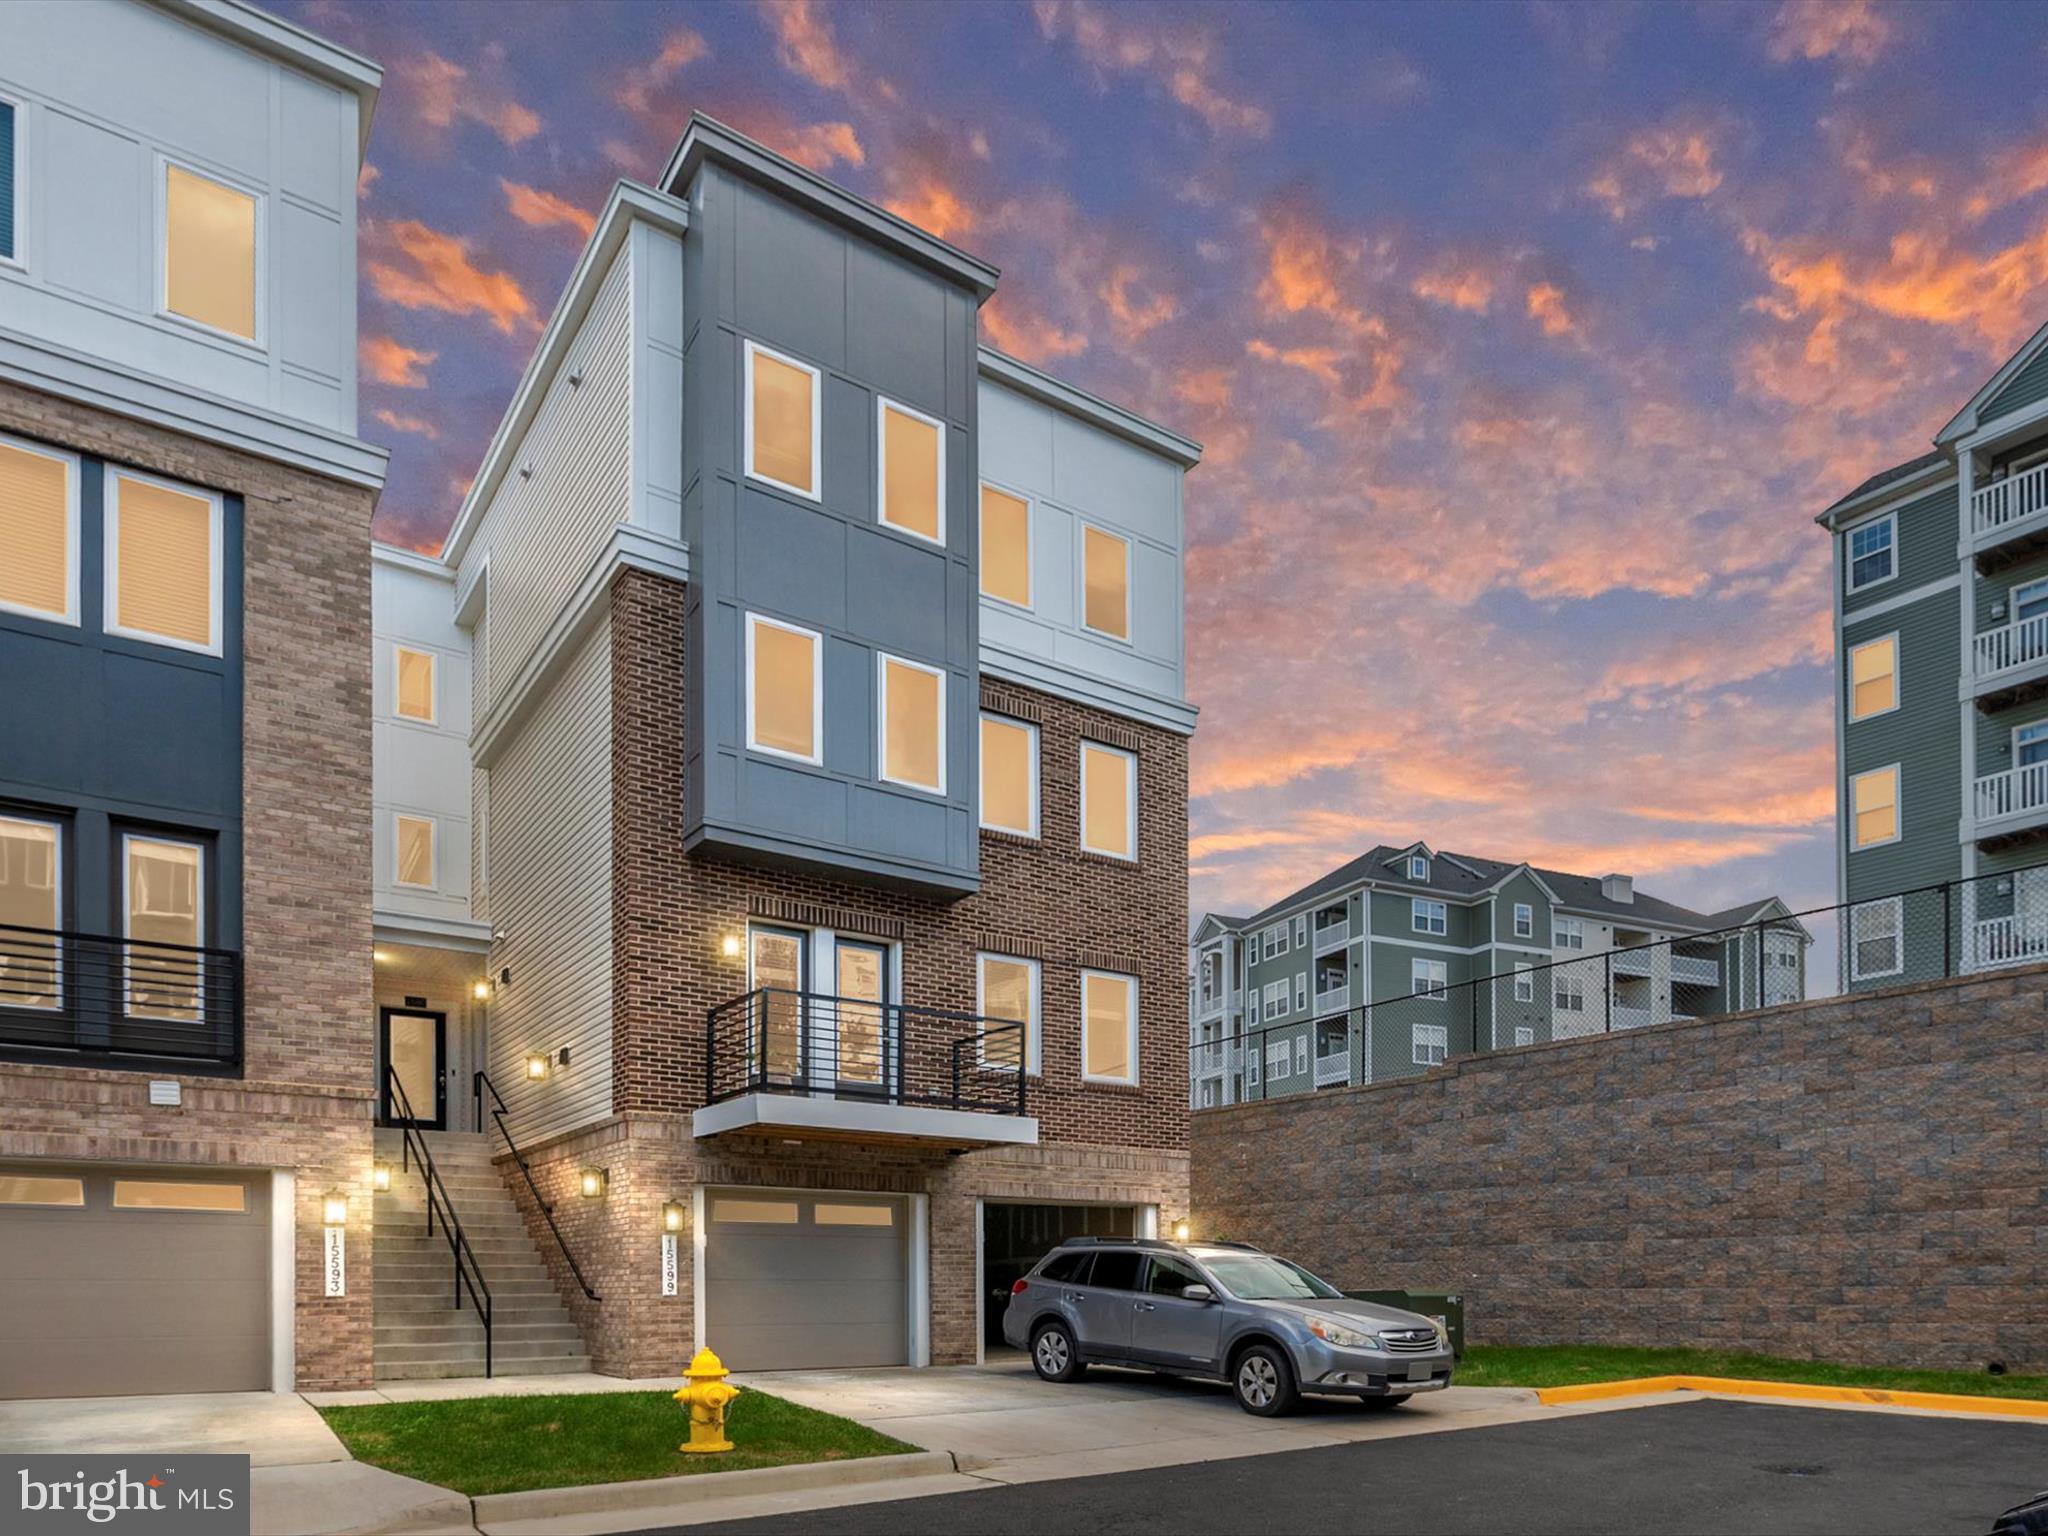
[[415, 1048], [862, 1030], [775, 968]]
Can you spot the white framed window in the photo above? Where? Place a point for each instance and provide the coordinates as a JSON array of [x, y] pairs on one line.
[[38, 531], [14, 158], [210, 253], [2030, 744], [910, 711], [1008, 988], [1425, 916], [1301, 1055], [910, 471], [1278, 1056], [1567, 992], [1005, 546], [1009, 775], [1525, 984], [1276, 940], [1877, 934], [1109, 801], [1429, 1044], [1252, 1007], [1872, 556], [163, 560], [1105, 583], [1525, 920], [1418, 867], [412, 684], [785, 690], [1568, 933], [1300, 991], [2029, 600], [31, 896], [1874, 677], [783, 429], [1300, 932], [412, 861], [163, 902], [1430, 978], [1109, 1027], [1525, 1034], [1276, 998], [1874, 808]]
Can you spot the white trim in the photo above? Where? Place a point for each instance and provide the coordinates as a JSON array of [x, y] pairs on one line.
[[1081, 606], [769, 1113], [1421, 919], [1030, 603], [981, 798], [2012, 597], [1898, 808], [1429, 980], [1524, 918], [1130, 991], [1849, 696], [884, 405], [2012, 745], [817, 491], [259, 253], [433, 715], [1414, 873], [699, 1239], [1130, 855], [18, 261], [918, 1283], [1033, 1027], [74, 532], [1423, 1038], [817, 755], [1849, 567], [110, 559], [1524, 981], [433, 851], [1896, 905], [882, 661], [1168, 712], [1845, 619], [284, 1281]]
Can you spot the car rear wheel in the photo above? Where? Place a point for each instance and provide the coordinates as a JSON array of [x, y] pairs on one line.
[[1053, 1354], [1264, 1382]]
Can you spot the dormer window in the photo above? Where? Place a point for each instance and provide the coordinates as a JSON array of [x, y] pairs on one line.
[[1418, 867]]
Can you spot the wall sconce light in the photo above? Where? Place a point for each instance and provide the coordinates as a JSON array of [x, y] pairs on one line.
[[481, 991], [536, 1067], [1180, 1230], [729, 946], [380, 1176], [671, 1216], [334, 1208], [594, 1181], [381, 956]]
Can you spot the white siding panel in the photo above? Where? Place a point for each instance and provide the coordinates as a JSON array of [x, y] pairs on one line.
[[550, 858]]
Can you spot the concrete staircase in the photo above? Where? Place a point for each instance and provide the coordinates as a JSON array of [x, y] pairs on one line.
[[418, 1332]]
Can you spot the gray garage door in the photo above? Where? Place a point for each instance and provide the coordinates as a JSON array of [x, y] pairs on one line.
[[797, 1282], [120, 1281]]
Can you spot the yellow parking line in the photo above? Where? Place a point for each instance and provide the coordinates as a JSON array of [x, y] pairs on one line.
[[1798, 1391]]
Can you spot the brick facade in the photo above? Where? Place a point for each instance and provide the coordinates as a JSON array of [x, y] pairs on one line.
[[1860, 1179], [1044, 900], [304, 1101]]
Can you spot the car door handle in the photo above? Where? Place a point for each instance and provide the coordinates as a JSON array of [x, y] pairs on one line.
[[1143, 1306]]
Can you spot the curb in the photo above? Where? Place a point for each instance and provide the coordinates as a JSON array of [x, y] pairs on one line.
[[663, 1492], [1797, 1391]]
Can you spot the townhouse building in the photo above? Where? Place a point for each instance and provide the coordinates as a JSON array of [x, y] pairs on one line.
[[186, 1053], [1941, 696], [1403, 957]]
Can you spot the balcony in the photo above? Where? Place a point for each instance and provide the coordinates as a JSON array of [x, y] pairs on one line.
[[1695, 971], [1632, 962], [2010, 664], [1332, 996], [89, 998], [2009, 519], [1332, 937], [840, 1068], [1334, 1070], [2015, 940], [2012, 804]]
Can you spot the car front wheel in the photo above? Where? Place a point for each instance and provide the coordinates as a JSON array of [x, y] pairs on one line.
[[1264, 1382], [1053, 1354]]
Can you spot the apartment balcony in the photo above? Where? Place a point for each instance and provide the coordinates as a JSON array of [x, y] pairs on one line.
[[2011, 805], [1334, 1070], [1334, 998], [92, 999], [1334, 937], [1212, 1058], [806, 1065], [2009, 519], [1626, 1017], [2021, 939], [1632, 962], [2010, 664], [1695, 971]]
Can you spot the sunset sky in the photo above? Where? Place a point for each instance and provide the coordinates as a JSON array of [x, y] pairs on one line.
[[1524, 341]]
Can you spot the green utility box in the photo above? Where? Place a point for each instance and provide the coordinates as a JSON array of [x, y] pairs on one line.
[[1447, 1305]]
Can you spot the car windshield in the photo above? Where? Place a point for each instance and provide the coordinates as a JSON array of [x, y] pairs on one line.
[[1262, 1277]]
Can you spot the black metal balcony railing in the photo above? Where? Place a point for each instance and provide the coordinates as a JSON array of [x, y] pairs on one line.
[[777, 1041], [87, 994]]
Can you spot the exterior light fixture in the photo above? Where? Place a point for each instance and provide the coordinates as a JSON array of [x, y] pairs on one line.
[[729, 946], [594, 1181], [536, 1067], [334, 1208], [1180, 1230], [380, 1176], [481, 991], [381, 956], [671, 1216]]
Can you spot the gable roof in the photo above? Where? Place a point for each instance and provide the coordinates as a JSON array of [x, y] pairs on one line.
[[1912, 469], [1972, 415]]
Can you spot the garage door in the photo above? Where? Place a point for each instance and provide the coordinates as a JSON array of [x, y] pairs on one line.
[[794, 1282], [132, 1280]]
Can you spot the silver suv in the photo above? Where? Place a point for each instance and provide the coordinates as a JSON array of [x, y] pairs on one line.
[[1227, 1311]]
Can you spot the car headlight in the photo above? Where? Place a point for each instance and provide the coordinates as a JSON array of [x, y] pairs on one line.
[[1443, 1330], [1330, 1331]]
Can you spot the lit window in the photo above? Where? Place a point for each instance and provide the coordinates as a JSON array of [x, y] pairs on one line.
[[1109, 801], [782, 427], [1874, 678], [415, 685], [1430, 978], [1005, 546], [415, 864], [177, 1195], [1428, 916], [209, 253], [913, 715], [1009, 775], [853, 1215], [163, 563], [1430, 1043], [1106, 593], [45, 1189], [32, 897], [912, 455], [1876, 931], [1870, 553], [1525, 920], [38, 531], [1109, 1027], [785, 690], [774, 1213], [1874, 807], [1007, 989], [166, 917]]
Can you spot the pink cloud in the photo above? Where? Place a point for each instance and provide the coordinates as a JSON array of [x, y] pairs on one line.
[[682, 47], [441, 93], [417, 425], [387, 361], [417, 267], [1852, 30], [1169, 52], [530, 205]]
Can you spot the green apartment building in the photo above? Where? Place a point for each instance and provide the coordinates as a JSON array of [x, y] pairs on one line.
[[1941, 700], [1362, 975]]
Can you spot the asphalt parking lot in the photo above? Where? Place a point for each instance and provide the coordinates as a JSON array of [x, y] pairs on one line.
[[1702, 1465]]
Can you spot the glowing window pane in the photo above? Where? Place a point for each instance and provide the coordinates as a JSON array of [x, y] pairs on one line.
[[1107, 1005], [415, 684], [1009, 767], [910, 473], [1106, 801], [209, 253], [1107, 583], [1005, 546], [783, 422], [36, 558], [911, 725]]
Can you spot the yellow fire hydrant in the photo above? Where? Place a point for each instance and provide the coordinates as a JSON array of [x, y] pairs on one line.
[[706, 1397]]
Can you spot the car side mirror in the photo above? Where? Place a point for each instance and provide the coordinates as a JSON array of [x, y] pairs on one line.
[[1197, 1293]]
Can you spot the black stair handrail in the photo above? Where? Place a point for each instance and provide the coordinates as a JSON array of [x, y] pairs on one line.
[[469, 1274], [481, 1084]]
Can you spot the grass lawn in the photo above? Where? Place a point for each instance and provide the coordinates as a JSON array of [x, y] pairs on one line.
[[483, 1445], [1566, 1365]]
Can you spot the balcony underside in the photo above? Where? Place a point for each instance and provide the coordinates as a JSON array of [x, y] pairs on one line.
[[2008, 546], [2023, 830], [810, 1117], [2019, 685]]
